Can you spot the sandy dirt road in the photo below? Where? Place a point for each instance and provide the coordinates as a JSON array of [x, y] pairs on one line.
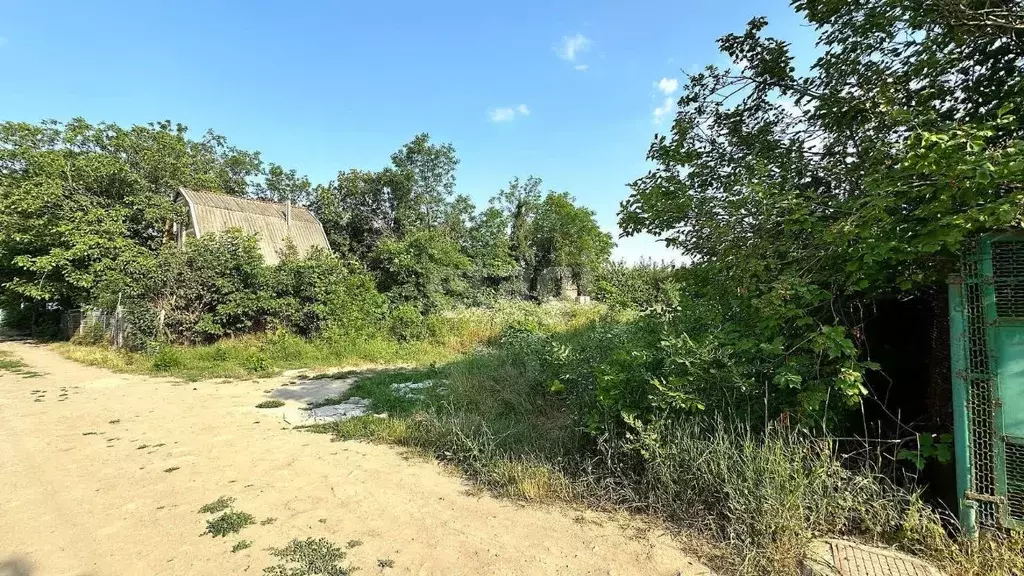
[[80, 495]]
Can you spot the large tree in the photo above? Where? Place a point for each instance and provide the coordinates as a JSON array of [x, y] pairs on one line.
[[75, 197], [801, 195], [519, 201], [564, 235]]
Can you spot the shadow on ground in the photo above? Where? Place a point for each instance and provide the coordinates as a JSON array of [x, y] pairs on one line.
[[16, 566]]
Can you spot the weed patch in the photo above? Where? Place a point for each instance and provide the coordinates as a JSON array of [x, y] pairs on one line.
[[268, 521], [230, 522], [309, 557], [219, 505], [270, 404], [241, 545]]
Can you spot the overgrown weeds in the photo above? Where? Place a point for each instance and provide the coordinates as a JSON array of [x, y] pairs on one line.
[[759, 493], [447, 335]]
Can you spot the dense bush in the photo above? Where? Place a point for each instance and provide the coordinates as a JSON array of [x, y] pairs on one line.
[[320, 293], [645, 284], [218, 286], [425, 270]]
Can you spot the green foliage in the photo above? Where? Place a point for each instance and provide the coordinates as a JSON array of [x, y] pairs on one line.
[[230, 522], [645, 284], [564, 235], [800, 198], [426, 269], [609, 436], [309, 557], [166, 359], [75, 198], [270, 404], [241, 545], [219, 505], [406, 323], [257, 362], [320, 293], [495, 272], [211, 289], [938, 447]]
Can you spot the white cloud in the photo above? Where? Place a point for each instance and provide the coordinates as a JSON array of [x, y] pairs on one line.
[[667, 106], [582, 67], [508, 114], [667, 85], [572, 46], [502, 115]]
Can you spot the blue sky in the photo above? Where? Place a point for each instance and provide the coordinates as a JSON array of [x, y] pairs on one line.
[[567, 91]]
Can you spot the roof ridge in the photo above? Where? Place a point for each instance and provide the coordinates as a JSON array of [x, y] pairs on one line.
[[281, 205]]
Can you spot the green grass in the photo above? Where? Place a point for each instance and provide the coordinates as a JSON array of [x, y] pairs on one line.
[[10, 363], [230, 522], [219, 505], [752, 500], [270, 404], [377, 387], [268, 521], [451, 335]]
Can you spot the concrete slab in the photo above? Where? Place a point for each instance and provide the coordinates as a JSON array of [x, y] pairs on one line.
[[312, 391], [842, 558]]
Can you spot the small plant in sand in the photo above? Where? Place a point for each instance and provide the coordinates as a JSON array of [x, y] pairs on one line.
[[219, 505], [241, 545], [230, 522], [270, 404], [309, 557]]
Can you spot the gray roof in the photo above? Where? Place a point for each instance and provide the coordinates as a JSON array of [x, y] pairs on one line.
[[211, 212]]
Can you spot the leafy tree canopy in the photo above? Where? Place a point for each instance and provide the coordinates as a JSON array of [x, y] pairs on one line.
[[799, 196]]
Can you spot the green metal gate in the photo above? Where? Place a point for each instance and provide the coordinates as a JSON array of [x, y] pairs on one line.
[[986, 304]]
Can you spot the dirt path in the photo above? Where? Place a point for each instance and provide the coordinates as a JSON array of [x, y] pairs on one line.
[[80, 495]]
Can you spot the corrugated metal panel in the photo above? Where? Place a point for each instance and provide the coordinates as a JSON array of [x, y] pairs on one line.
[[212, 213]]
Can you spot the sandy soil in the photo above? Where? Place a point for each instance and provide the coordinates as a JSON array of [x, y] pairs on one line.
[[79, 495]]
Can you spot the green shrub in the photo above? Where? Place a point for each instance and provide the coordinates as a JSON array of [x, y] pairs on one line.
[[165, 359], [645, 284], [426, 270], [406, 324], [320, 293], [230, 522], [257, 362]]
